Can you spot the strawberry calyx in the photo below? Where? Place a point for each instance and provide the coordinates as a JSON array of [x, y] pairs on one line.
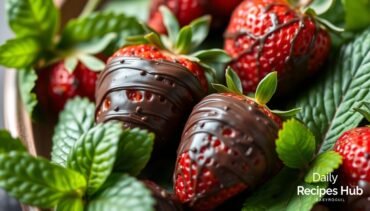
[[265, 90], [315, 8], [185, 41], [364, 112]]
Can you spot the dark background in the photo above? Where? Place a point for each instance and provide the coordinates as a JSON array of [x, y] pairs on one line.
[[6, 203]]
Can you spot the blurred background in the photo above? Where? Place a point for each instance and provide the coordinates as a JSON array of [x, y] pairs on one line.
[[6, 203]]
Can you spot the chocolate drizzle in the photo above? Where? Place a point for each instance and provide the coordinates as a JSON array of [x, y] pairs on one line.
[[247, 133], [153, 95]]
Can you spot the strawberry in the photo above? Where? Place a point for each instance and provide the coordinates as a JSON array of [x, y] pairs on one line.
[[186, 11], [164, 199], [56, 84], [267, 35], [151, 84], [227, 146], [354, 147]]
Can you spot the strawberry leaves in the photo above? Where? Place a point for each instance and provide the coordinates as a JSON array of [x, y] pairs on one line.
[[337, 92], [324, 164], [266, 88], [295, 146]]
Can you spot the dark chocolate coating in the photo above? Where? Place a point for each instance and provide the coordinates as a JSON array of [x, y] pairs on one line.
[[165, 201], [360, 203], [168, 92], [251, 156]]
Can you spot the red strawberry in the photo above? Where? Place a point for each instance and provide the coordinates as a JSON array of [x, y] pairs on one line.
[[267, 35], [227, 146], [56, 85], [153, 85], [184, 10], [187, 11], [354, 146]]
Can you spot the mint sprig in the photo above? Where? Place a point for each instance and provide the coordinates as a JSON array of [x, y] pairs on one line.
[[93, 154], [122, 192], [76, 119], [38, 19], [327, 107], [36, 181], [19, 52], [134, 150], [8, 143], [70, 204], [96, 26], [26, 82]]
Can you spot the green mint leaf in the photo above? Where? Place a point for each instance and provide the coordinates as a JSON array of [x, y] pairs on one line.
[[321, 6], [305, 202], [122, 192], [71, 63], [98, 25], [287, 114], [97, 45], [221, 88], [200, 29], [323, 164], [183, 41], [357, 14], [93, 155], [33, 18], [129, 7], [134, 151], [8, 143], [170, 22], [212, 56], [91, 62], [280, 193], [36, 181], [76, 119], [233, 81], [295, 145], [266, 88], [19, 52], [327, 106], [70, 204], [26, 83]]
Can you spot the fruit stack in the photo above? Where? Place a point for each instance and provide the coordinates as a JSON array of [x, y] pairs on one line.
[[156, 115]]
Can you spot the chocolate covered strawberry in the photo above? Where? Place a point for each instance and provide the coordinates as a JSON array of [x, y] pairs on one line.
[[186, 11], [152, 84], [228, 145], [56, 84], [354, 146], [165, 201], [270, 35]]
